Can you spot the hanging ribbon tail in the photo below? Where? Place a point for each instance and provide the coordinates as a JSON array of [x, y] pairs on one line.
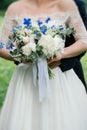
[[35, 74], [43, 79]]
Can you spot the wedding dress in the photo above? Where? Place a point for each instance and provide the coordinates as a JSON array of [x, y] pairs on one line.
[[64, 109]]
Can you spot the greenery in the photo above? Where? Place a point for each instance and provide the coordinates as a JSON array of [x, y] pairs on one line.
[[5, 3], [6, 70], [7, 67]]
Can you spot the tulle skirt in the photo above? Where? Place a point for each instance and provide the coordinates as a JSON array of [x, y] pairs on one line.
[[65, 109]]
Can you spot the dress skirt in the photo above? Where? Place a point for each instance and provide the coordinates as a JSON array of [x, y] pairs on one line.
[[65, 109]]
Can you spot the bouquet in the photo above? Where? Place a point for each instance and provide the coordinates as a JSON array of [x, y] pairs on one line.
[[34, 40], [38, 41]]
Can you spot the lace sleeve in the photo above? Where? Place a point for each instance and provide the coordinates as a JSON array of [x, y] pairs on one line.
[[7, 26], [76, 22]]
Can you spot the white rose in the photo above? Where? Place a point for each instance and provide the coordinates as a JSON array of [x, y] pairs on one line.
[[27, 49], [25, 39], [21, 32], [32, 37], [32, 46], [27, 31]]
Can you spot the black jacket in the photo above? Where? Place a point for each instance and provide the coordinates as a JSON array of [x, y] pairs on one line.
[[67, 64]]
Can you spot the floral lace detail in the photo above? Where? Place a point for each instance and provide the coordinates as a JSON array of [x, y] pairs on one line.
[[76, 22], [71, 19]]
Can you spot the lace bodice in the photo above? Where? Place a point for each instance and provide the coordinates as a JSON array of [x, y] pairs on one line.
[[71, 19]]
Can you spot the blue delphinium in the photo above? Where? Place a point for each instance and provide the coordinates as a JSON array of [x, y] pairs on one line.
[[48, 19], [8, 47], [43, 29], [39, 23], [15, 29], [61, 27], [1, 45], [27, 22], [18, 26], [53, 27]]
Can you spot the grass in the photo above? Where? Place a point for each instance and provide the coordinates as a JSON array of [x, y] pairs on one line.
[[84, 65], [1, 20], [7, 68]]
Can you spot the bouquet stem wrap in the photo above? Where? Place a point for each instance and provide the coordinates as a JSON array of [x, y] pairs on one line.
[[41, 78]]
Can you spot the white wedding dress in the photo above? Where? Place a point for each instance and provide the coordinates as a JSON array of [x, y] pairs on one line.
[[65, 109]]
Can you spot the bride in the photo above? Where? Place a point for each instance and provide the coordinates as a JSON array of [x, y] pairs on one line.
[[66, 108]]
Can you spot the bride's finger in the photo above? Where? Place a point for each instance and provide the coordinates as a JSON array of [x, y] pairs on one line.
[[54, 64], [56, 58], [50, 61], [27, 61]]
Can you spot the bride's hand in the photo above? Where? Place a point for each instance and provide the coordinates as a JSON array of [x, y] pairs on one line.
[[54, 64], [27, 61], [55, 61]]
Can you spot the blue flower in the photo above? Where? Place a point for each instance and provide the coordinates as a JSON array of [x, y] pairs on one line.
[[36, 32], [43, 29], [18, 26], [53, 27], [1, 45], [8, 47], [39, 22], [61, 27], [48, 19], [13, 30], [27, 22]]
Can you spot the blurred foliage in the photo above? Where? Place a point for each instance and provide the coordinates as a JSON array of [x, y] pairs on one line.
[[6, 70], [85, 2], [5, 3]]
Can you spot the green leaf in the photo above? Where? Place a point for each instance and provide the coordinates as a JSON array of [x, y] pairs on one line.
[[33, 56], [39, 50], [70, 31]]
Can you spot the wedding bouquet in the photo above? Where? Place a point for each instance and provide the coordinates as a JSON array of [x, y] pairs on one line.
[[38, 41], [33, 40]]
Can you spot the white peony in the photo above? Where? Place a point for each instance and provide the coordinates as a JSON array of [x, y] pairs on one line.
[[51, 46], [59, 44], [28, 48]]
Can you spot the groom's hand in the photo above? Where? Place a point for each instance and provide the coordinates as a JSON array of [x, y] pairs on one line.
[[54, 64]]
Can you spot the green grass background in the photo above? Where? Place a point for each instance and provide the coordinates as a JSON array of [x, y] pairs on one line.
[[7, 68]]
